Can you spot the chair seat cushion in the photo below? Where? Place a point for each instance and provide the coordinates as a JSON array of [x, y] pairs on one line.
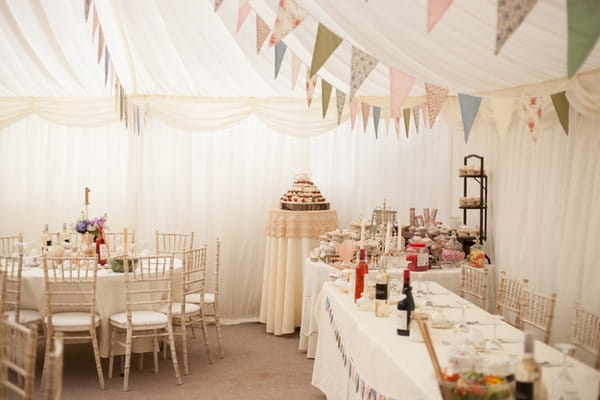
[[26, 317], [209, 298], [176, 308], [140, 319], [72, 321]]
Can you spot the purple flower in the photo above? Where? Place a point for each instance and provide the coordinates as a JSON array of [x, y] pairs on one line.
[[82, 226]]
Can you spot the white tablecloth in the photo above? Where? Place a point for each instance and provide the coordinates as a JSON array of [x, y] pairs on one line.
[[110, 297], [394, 365], [317, 272], [290, 238]]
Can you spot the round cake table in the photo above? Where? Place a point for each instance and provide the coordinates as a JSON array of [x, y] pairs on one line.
[[291, 235]]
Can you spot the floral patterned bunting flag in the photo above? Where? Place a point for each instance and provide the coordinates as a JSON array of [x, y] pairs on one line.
[[325, 96], [360, 67], [366, 109], [262, 31], [532, 113], [353, 112], [400, 85], [469, 106], [340, 99], [280, 49], [435, 11], [289, 16], [423, 108], [376, 116], [311, 83], [243, 12], [511, 13], [435, 97], [415, 113]]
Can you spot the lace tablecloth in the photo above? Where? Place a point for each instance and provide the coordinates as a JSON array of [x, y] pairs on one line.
[[291, 235]]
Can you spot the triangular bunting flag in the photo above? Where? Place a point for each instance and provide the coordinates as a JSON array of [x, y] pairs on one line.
[[262, 31], [561, 105], [242, 2], [289, 16], [397, 123], [469, 106], [100, 44], [376, 116], [511, 13], [311, 83], [435, 11], [400, 85], [340, 99], [415, 113], [353, 112], [406, 116], [325, 44], [387, 123], [280, 49], [583, 19], [435, 97], [361, 66], [243, 12], [423, 108], [296, 62], [325, 96], [218, 4], [365, 108], [532, 112], [86, 9], [94, 21], [502, 108], [106, 63]]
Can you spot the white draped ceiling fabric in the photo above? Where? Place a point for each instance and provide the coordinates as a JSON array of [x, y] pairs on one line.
[[223, 138]]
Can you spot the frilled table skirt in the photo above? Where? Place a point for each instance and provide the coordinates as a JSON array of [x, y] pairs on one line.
[[291, 235]]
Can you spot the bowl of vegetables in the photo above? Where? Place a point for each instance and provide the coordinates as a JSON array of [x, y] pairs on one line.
[[476, 386]]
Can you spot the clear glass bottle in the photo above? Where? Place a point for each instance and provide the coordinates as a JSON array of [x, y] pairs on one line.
[[528, 376], [382, 293], [477, 254]]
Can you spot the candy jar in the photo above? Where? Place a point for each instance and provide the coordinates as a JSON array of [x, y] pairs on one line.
[[417, 255], [452, 253], [477, 254], [438, 244]]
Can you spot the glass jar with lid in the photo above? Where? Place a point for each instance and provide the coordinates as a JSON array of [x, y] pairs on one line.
[[452, 253], [477, 254], [417, 256]]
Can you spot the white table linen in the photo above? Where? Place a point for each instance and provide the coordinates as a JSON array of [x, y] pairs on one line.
[[397, 367], [110, 298]]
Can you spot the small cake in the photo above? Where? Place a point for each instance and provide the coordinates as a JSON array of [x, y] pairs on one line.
[[303, 195]]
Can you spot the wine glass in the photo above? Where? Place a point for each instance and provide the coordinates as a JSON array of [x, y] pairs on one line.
[[461, 329], [494, 343], [419, 292], [564, 387]]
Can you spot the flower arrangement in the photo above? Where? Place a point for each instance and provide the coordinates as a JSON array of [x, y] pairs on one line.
[[475, 386], [91, 226]]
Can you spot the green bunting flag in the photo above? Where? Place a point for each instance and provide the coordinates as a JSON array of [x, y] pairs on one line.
[[325, 96], [583, 18], [325, 44], [406, 116], [561, 104]]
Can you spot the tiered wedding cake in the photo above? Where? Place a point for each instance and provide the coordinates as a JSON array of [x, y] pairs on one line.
[[303, 195]]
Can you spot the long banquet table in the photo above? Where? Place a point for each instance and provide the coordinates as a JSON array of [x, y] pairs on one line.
[[359, 355], [110, 298], [316, 273]]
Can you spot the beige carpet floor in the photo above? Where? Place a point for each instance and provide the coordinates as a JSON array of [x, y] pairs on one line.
[[256, 366]]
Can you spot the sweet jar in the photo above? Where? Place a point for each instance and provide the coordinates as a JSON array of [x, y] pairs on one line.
[[417, 256], [477, 255], [452, 252]]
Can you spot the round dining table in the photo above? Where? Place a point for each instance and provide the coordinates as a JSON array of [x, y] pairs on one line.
[[110, 299]]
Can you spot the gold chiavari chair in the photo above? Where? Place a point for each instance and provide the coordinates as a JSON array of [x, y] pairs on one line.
[[187, 313], [13, 269], [586, 332], [473, 284], [55, 369], [148, 286], [508, 300], [114, 242], [9, 244], [176, 243], [537, 311], [71, 305], [17, 359]]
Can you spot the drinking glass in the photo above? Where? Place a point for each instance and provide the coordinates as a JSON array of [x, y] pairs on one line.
[[564, 387], [461, 329], [419, 292], [495, 343]]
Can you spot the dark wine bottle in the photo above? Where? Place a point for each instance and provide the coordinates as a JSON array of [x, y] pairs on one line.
[[405, 307]]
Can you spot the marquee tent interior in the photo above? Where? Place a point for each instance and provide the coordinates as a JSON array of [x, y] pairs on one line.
[[222, 138]]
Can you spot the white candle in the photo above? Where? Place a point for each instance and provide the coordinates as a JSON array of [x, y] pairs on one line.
[[125, 241], [388, 237], [362, 230], [399, 244]]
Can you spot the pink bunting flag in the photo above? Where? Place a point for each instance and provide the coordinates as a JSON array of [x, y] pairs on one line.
[[86, 9], [511, 13], [435, 11], [243, 12], [361, 65], [289, 16], [311, 83], [365, 109], [262, 31], [435, 97], [353, 112], [400, 85], [532, 113], [100, 44]]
